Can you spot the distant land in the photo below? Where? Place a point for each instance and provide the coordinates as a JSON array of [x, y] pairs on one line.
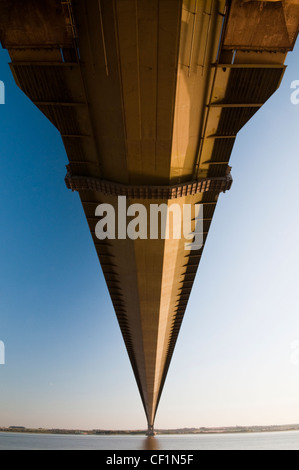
[[202, 430]]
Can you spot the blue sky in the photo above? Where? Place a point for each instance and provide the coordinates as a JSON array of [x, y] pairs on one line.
[[66, 364]]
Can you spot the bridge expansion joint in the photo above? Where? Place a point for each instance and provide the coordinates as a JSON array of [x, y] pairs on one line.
[[87, 183]]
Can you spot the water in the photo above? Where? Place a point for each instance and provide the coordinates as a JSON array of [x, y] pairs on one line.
[[288, 440]]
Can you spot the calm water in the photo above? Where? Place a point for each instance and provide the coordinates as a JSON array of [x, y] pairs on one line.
[[257, 441]]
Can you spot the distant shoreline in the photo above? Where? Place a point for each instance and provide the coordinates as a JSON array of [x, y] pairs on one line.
[[179, 431]]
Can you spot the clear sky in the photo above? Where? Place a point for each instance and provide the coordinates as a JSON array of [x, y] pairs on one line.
[[236, 361]]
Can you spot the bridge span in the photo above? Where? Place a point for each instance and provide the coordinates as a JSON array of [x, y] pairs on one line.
[[149, 96]]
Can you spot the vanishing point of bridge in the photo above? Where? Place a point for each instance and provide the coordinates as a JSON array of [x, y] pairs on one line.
[[149, 96]]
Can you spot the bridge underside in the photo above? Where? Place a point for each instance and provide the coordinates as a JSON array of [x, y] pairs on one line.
[[148, 97]]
